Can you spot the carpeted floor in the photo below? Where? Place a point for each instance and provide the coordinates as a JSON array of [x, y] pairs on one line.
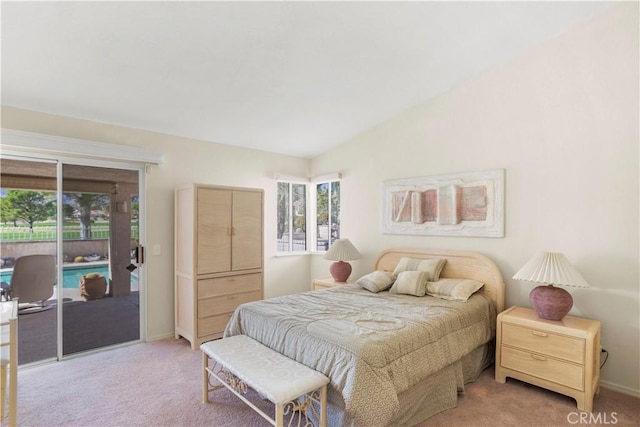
[[158, 384], [86, 325]]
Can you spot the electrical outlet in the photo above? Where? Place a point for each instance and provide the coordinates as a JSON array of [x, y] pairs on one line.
[[156, 250]]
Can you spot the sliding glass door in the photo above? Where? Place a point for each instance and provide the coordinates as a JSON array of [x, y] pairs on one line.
[[101, 305], [28, 236]]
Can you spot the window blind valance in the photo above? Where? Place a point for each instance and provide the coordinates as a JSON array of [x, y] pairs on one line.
[[19, 142]]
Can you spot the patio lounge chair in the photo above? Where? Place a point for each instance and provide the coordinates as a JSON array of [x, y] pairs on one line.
[[32, 280]]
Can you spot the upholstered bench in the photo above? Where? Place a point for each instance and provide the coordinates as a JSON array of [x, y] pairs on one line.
[[240, 362]]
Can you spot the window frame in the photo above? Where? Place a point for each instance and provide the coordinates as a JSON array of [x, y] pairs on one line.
[[311, 211], [291, 181]]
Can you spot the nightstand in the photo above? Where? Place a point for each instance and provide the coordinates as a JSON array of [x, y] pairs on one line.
[[327, 282], [559, 355]]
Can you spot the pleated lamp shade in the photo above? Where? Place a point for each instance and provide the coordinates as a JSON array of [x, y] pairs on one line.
[[342, 250], [551, 268]]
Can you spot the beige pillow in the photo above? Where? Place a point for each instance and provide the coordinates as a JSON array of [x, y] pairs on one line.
[[410, 283], [376, 281], [453, 289], [432, 266]]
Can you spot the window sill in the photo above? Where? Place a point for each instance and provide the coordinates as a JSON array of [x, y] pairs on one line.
[[287, 254]]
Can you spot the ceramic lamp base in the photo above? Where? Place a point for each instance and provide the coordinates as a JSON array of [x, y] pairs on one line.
[[340, 271], [550, 303]]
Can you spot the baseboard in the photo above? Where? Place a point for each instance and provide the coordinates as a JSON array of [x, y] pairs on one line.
[[160, 337], [620, 389]]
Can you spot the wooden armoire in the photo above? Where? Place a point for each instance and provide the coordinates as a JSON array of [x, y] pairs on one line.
[[218, 257]]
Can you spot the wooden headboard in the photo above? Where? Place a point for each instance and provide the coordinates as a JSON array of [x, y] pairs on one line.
[[466, 265]]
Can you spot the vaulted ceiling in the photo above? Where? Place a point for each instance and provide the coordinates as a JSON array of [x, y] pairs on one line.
[[288, 77]]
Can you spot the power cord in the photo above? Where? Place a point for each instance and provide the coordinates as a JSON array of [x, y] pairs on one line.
[[606, 356]]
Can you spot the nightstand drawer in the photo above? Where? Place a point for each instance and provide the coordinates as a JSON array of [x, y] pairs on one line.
[[547, 368], [547, 343]]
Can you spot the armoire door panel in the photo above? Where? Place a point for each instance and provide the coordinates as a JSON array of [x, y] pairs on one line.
[[246, 247], [213, 230]]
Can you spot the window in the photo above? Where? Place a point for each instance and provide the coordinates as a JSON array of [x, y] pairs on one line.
[[292, 217], [327, 214], [322, 200]]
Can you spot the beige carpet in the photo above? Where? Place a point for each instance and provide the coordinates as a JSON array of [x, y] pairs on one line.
[[158, 384]]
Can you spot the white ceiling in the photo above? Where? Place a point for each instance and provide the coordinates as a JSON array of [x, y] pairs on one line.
[[288, 77]]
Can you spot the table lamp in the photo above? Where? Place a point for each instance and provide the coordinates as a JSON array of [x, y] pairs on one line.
[[342, 250], [551, 268]]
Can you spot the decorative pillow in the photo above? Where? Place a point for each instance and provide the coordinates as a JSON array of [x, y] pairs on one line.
[[431, 266], [410, 283], [376, 281], [453, 289]]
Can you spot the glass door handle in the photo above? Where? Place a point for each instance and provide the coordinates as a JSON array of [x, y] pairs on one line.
[[139, 254]]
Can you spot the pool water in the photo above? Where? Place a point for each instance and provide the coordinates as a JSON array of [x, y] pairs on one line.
[[72, 274]]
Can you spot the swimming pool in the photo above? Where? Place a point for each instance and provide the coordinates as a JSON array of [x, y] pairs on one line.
[[71, 274]]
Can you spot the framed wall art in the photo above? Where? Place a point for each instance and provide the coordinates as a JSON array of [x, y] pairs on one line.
[[463, 204]]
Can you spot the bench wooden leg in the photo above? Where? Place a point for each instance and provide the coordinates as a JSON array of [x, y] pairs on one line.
[[3, 389], [279, 415], [13, 388], [323, 406], [205, 378]]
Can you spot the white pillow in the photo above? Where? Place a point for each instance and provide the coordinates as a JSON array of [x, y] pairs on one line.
[[410, 283], [453, 289], [432, 266], [376, 281]]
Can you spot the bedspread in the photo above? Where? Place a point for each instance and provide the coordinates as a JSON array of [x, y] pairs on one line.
[[371, 346]]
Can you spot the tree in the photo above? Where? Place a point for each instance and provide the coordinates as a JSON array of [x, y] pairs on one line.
[[283, 208], [7, 212], [87, 202], [328, 201], [30, 206], [135, 208], [67, 211], [322, 203], [335, 210]]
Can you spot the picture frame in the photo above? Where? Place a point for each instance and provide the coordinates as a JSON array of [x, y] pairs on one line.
[[469, 204]]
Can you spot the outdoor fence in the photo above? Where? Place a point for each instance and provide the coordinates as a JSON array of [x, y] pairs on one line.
[[25, 234], [299, 243]]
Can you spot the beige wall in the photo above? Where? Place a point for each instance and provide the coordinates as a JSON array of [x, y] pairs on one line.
[[562, 120]]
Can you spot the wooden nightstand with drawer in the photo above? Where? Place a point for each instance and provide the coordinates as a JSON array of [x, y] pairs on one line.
[[563, 355]]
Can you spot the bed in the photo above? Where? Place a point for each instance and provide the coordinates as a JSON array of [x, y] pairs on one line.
[[392, 359]]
